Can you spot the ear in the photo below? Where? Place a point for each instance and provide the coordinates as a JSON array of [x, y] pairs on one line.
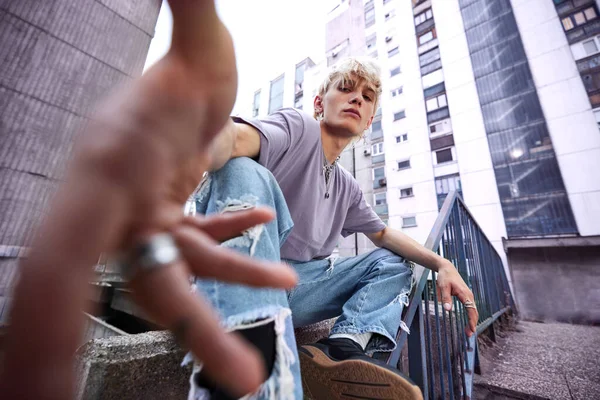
[[318, 104], [370, 122]]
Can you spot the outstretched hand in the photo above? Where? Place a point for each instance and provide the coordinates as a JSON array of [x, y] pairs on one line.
[[165, 294], [133, 168]]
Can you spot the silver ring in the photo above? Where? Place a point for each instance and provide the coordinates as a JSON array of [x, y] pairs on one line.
[[156, 251], [469, 304]]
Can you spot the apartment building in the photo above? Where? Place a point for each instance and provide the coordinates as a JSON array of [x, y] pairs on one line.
[[497, 99]]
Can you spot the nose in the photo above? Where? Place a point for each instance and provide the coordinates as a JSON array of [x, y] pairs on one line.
[[356, 99]]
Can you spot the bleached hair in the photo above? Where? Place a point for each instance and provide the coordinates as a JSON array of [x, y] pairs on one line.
[[361, 68]]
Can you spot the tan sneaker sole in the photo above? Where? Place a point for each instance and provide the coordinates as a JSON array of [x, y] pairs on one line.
[[327, 379]]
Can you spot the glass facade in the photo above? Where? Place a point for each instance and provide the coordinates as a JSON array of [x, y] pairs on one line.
[[532, 192]]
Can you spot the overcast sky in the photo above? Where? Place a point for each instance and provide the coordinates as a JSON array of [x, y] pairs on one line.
[[269, 36]]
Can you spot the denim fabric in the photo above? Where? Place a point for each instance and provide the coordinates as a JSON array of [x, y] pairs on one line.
[[367, 292]]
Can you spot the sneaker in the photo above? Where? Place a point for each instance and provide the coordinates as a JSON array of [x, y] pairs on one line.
[[340, 369]]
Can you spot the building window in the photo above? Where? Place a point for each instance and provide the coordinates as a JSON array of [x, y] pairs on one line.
[[408, 222], [376, 126], [377, 149], [433, 78], [390, 15], [371, 41], [444, 184], [427, 37], [442, 127], [436, 102], [378, 173], [402, 138], [399, 115], [406, 192], [579, 18], [597, 115], [380, 198], [590, 47], [256, 104], [369, 17], [590, 13], [276, 99], [405, 164], [298, 102], [567, 24], [424, 16], [397, 91], [444, 156], [393, 52], [429, 57], [395, 71]]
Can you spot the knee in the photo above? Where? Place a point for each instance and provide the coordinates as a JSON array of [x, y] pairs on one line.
[[244, 174], [239, 167], [390, 259]]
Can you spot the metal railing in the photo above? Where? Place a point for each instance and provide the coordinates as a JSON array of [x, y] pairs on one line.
[[441, 359]]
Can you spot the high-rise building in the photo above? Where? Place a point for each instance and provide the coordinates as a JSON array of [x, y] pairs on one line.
[[497, 99]]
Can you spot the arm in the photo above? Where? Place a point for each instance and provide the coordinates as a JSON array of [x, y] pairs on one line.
[[449, 281], [117, 184], [400, 243], [234, 140]]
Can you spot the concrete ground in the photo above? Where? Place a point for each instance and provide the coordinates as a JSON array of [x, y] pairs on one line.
[[542, 361]]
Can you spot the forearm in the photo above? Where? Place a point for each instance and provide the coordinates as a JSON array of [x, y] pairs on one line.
[[46, 322], [407, 247], [222, 147]]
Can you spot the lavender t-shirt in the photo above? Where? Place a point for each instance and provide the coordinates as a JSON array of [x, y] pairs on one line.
[[290, 147]]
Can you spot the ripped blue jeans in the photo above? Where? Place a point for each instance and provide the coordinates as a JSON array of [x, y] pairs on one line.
[[367, 292]]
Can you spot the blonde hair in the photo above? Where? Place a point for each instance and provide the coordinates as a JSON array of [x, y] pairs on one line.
[[361, 68]]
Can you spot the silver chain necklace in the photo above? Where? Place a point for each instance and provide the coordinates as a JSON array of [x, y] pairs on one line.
[[327, 169]]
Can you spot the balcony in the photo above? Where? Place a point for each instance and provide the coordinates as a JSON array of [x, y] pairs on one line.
[[378, 159], [588, 63], [425, 26], [381, 209], [587, 30], [438, 114], [379, 183], [377, 134]]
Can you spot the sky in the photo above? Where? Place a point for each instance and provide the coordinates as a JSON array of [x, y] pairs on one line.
[[268, 35]]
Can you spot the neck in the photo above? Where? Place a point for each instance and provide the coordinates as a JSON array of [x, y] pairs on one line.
[[333, 142]]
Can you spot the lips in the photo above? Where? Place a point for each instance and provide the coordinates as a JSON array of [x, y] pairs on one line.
[[352, 111]]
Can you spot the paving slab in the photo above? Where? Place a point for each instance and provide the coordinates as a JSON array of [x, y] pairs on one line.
[[543, 361]]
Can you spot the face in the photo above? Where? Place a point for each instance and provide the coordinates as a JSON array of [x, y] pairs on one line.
[[348, 108]]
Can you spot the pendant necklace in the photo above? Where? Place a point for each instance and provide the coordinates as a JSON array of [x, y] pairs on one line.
[[327, 169]]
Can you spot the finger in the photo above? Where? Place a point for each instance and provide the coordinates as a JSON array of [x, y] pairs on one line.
[[209, 260], [472, 313], [446, 297], [225, 226], [165, 295]]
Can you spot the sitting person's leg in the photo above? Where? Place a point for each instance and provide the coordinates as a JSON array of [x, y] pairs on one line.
[[260, 315], [368, 293]]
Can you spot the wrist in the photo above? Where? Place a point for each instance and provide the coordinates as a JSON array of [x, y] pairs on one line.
[[444, 264]]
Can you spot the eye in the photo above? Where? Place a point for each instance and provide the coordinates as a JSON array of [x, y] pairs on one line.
[[368, 98], [345, 89]]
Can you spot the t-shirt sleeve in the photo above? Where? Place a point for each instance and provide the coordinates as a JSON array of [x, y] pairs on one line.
[[279, 133], [361, 217]]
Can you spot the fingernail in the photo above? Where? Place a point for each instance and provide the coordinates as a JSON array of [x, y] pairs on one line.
[[447, 306]]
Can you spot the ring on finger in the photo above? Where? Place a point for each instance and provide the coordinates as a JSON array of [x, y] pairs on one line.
[[470, 304], [152, 253]]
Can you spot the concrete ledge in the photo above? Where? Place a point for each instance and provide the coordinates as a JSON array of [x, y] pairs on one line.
[[144, 366], [587, 241]]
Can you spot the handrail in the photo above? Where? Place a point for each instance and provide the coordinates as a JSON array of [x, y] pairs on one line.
[[442, 362]]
